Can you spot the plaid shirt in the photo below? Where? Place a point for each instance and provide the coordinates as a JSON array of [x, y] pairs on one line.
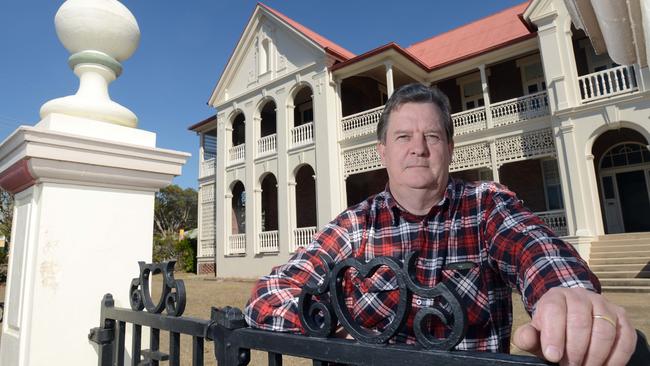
[[479, 222]]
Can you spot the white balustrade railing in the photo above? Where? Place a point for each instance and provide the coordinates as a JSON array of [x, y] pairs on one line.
[[268, 241], [207, 168], [302, 135], [237, 153], [556, 220], [360, 124], [236, 244], [607, 83], [469, 121], [520, 109], [302, 236], [206, 249], [266, 145]]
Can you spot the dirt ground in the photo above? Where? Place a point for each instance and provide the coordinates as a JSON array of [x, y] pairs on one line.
[[204, 292]]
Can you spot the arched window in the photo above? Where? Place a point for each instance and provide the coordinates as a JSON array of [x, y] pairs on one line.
[[628, 153]]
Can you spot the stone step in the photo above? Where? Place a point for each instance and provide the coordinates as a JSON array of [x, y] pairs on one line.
[[620, 254], [613, 243], [620, 248], [626, 289], [622, 260], [619, 267], [625, 282], [623, 274], [624, 236]]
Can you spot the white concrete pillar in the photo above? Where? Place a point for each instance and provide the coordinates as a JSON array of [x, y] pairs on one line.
[[84, 185], [493, 159], [326, 124], [283, 127], [558, 59], [222, 222], [390, 87], [486, 95]]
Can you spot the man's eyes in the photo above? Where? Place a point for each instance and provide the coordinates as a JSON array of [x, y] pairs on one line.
[[432, 138]]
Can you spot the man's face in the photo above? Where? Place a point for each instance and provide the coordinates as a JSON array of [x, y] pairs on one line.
[[416, 152]]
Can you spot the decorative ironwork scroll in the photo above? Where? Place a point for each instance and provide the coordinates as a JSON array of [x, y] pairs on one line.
[[320, 316], [172, 297]]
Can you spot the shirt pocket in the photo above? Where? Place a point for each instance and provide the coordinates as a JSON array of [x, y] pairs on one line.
[[468, 281]]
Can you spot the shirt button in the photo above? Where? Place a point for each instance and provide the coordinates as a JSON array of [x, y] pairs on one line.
[[418, 301]]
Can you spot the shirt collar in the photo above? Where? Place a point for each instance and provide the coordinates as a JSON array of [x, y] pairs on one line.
[[396, 210]]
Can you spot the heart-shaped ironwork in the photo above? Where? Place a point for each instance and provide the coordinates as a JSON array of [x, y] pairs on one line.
[[172, 297], [366, 270]]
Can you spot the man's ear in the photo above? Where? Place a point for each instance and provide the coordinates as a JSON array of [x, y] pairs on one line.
[[380, 149], [450, 146]]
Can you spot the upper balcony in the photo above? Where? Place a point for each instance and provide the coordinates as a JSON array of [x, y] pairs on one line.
[[207, 168], [504, 113]]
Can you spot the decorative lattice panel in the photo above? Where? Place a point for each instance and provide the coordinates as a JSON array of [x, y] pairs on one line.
[[361, 160], [207, 212], [525, 146], [470, 156]]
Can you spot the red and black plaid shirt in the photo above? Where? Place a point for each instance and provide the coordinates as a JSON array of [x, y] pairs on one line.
[[479, 222]]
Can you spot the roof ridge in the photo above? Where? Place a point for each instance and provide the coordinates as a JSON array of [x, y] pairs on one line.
[[470, 23], [316, 37]]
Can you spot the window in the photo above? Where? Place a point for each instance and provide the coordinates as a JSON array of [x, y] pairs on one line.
[[552, 185], [210, 145], [472, 93], [532, 74]]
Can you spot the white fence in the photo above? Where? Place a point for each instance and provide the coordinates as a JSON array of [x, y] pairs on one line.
[[302, 135], [266, 145], [607, 83], [236, 244], [556, 220], [207, 168], [360, 124], [302, 236], [469, 121], [237, 153], [520, 109], [268, 241]]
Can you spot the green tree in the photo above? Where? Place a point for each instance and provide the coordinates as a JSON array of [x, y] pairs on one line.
[[175, 209], [6, 218]]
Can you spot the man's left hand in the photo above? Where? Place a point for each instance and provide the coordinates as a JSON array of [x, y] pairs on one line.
[[574, 326]]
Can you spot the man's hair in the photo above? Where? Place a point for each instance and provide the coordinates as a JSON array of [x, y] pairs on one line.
[[416, 93]]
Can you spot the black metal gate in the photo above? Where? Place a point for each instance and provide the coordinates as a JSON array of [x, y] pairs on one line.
[[233, 339]]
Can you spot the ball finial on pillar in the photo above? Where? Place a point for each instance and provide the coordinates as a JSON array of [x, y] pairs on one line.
[[99, 34]]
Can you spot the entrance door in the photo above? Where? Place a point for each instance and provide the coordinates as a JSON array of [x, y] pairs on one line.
[[635, 205], [613, 216]]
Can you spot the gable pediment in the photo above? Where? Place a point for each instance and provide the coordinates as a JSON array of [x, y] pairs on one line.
[[540, 9], [268, 49]]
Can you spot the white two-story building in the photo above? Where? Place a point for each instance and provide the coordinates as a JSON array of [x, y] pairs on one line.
[[293, 140]]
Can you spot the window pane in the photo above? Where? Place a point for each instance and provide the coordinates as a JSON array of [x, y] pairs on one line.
[[608, 187]]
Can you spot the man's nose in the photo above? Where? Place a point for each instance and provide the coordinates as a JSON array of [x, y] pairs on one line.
[[419, 145]]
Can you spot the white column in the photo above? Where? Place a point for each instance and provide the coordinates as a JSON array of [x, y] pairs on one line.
[[283, 127], [493, 158], [556, 48], [486, 95], [222, 222], [389, 78]]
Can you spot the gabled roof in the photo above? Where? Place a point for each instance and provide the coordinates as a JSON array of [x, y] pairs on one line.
[[494, 31], [328, 45]]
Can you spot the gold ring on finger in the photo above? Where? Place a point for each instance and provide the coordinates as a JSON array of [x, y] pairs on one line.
[[608, 319]]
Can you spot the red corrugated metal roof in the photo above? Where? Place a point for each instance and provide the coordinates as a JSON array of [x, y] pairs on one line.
[[328, 45], [502, 28]]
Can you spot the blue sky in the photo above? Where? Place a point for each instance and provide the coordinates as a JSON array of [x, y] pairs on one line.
[[183, 49]]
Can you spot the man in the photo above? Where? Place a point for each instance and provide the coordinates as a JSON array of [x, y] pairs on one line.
[[449, 221]]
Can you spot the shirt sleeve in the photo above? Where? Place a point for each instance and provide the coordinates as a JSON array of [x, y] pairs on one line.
[[529, 256], [274, 301]]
